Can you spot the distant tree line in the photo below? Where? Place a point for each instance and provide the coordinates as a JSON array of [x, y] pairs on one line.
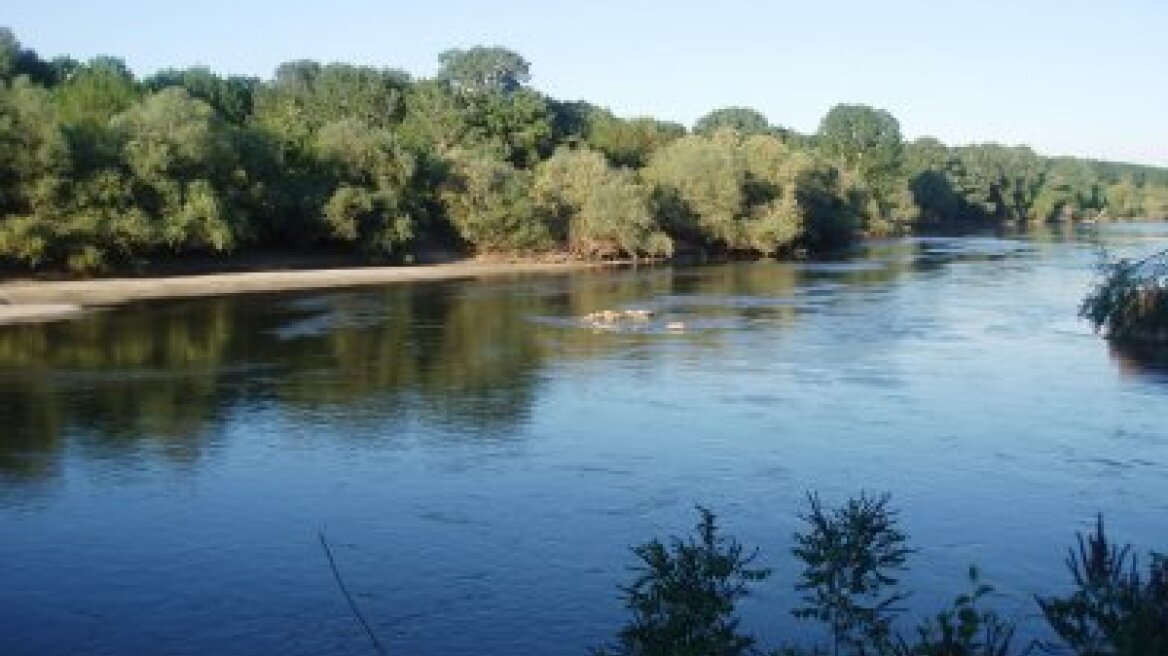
[[99, 169]]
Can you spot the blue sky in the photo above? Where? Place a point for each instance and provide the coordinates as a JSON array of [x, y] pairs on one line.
[[1070, 77]]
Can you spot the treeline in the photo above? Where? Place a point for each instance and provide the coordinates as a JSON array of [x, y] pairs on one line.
[[99, 168]]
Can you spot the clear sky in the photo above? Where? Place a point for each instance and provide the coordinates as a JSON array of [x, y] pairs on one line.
[[1076, 77]]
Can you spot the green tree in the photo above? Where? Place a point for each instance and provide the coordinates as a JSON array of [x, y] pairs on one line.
[[488, 202], [96, 91], [599, 211], [629, 142], [700, 188], [35, 170], [484, 69], [868, 141], [743, 120], [182, 158], [370, 203], [232, 97]]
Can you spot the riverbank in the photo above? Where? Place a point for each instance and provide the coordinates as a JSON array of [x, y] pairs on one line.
[[23, 301]]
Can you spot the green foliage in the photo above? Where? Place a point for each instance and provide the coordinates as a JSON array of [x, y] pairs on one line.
[[851, 556], [743, 120], [684, 598], [488, 202], [1130, 300], [305, 96], [628, 142], [864, 139], [700, 184], [232, 97], [600, 212], [9, 53], [1114, 610], [756, 194], [96, 92], [373, 178], [484, 69], [965, 629], [98, 170]]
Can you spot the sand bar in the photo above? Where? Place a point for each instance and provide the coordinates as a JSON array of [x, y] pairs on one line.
[[44, 300]]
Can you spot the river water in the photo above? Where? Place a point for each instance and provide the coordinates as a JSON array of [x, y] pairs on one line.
[[480, 460]]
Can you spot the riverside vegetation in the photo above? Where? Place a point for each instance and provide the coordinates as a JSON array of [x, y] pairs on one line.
[[683, 600], [1130, 302], [101, 169]]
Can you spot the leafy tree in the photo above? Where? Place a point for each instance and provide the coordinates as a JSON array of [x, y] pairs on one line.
[[484, 69], [370, 203], [183, 160], [35, 167], [684, 598], [629, 142], [700, 186], [488, 202], [600, 211], [96, 91], [306, 95], [518, 126], [435, 119], [755, 195], [863, 138], [743, 120], [868, 141], [232, 97]]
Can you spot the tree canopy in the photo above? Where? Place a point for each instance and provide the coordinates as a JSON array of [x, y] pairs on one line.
[[483, 69], [100, 169]]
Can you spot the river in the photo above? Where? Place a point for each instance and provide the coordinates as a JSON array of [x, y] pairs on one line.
[[480, 460]]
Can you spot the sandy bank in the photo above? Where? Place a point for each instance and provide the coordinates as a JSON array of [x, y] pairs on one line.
[[22, 301], [37, 312]]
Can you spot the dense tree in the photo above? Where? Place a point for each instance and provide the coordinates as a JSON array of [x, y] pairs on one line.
[[96, 91], [599, 211], [484, 69], [628, 142], [867, 141], [489, 203], [742, 120], [98, 169], [373, 175], [232, 97]]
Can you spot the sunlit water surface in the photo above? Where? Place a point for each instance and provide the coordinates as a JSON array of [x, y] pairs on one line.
[[480, 460]]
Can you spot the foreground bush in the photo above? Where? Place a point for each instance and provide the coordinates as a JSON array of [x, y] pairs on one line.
[[685, 594]]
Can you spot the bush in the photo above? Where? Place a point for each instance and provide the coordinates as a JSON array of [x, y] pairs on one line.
[[965, 629], [1113, 610], [1130, 301], [684, 598], [851, 555]]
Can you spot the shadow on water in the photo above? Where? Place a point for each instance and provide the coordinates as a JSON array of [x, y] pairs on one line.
[[1141, 362], [161, 380]]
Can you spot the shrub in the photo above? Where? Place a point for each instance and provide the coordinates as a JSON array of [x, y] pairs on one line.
[[684, 597], [851, 555], [965, 629], [1130, 301], [1113, 611]]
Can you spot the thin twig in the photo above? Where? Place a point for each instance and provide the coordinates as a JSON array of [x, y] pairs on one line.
[[328, 552]]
